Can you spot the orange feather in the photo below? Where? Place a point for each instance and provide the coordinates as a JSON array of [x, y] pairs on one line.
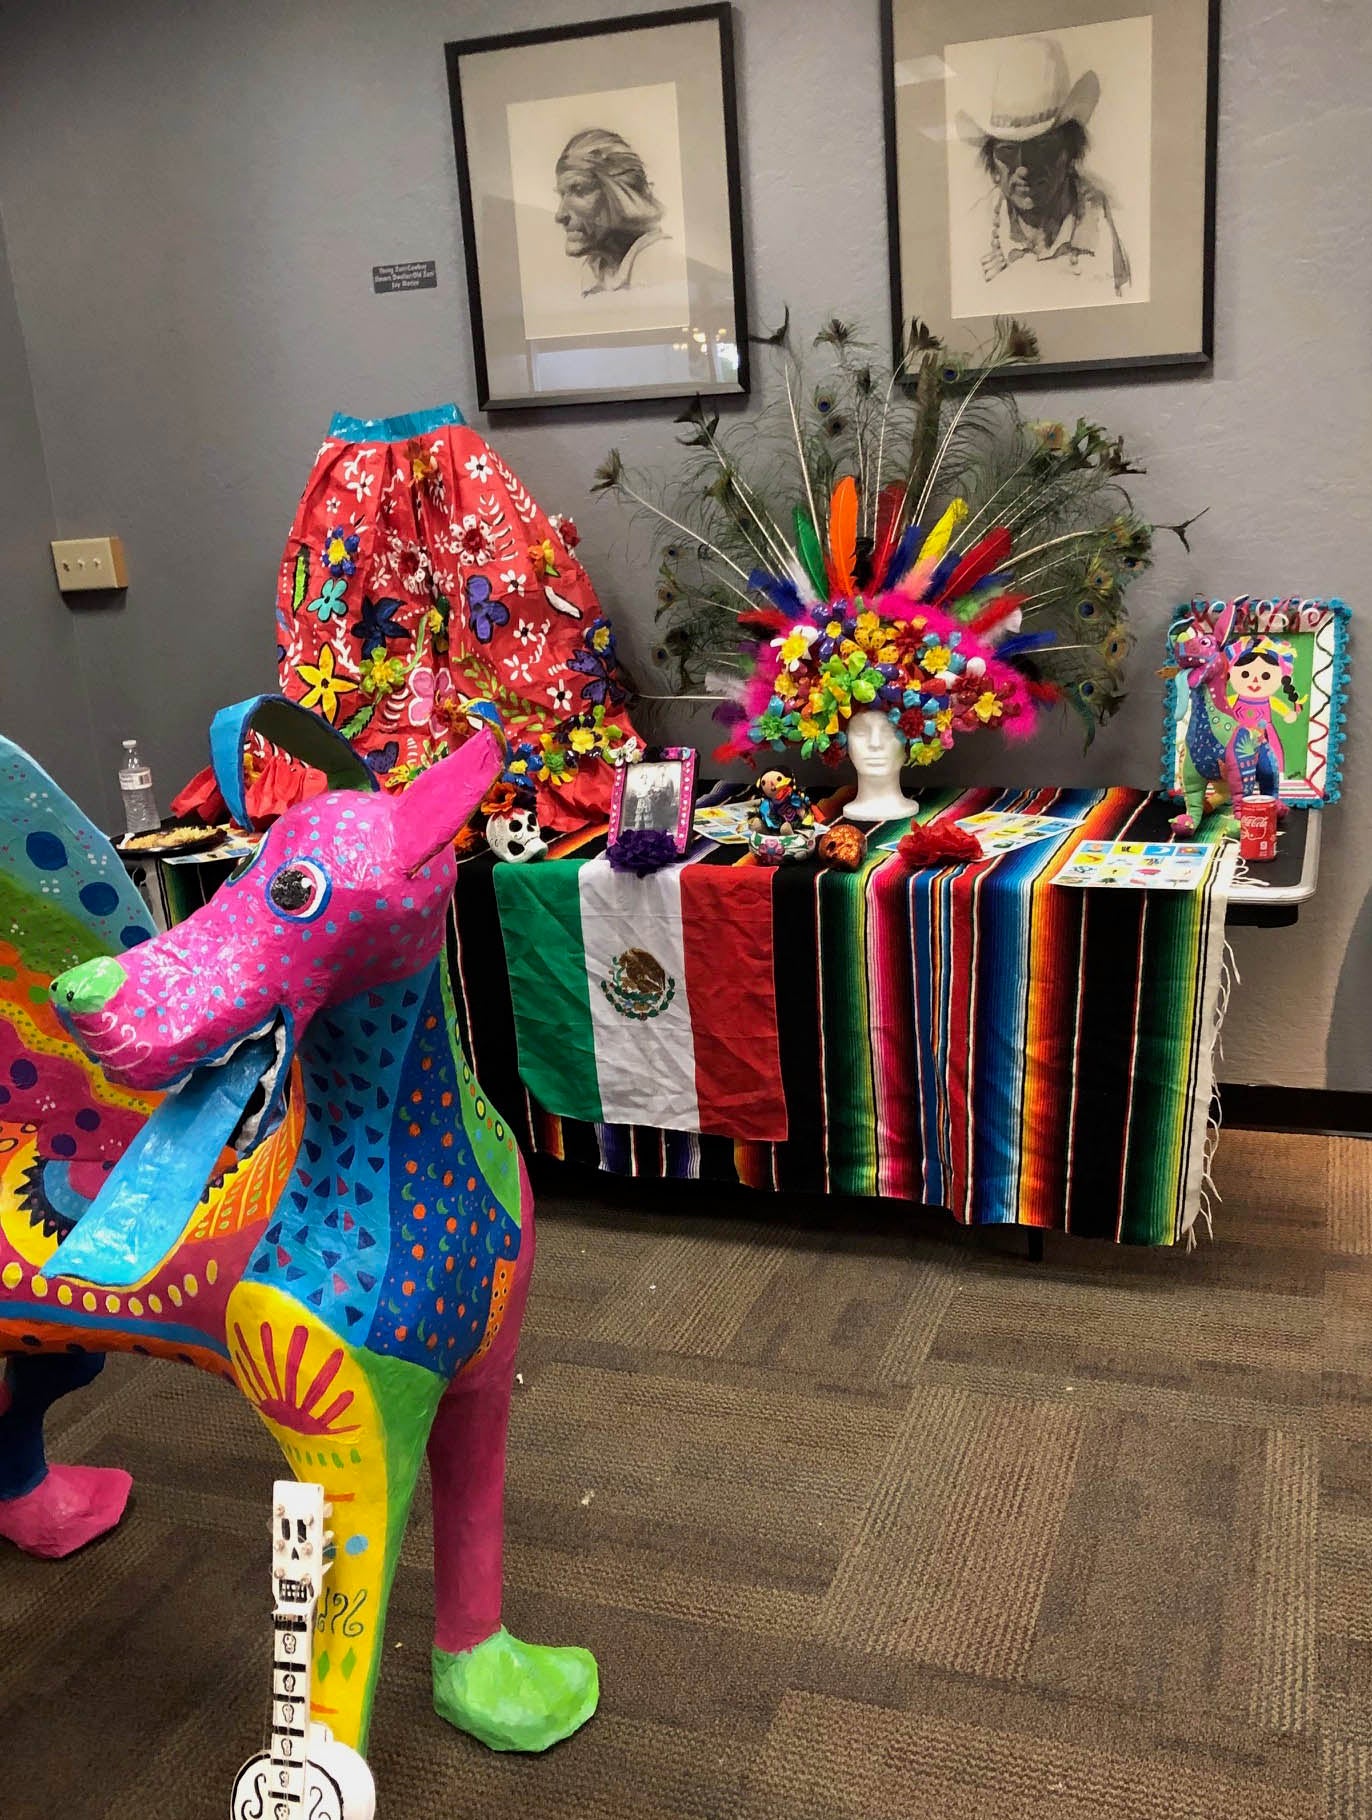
[[843, 523]]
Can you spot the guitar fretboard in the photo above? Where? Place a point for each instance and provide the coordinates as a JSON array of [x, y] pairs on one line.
[[290, 1712]]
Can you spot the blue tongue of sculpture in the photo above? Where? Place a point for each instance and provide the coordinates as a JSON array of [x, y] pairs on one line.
[[139, 1215]]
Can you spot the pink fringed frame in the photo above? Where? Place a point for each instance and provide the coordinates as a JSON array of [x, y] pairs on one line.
[[684, 757]]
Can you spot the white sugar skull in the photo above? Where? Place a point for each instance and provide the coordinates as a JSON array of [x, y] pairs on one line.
[[516, 836]]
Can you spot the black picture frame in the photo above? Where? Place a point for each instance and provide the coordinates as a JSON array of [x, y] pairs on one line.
[[462, 51], [1195, 359]]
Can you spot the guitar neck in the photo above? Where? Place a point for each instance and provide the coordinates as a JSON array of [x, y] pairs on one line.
[[293, 1637]]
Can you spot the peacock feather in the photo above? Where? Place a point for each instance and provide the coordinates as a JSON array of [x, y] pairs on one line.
[[859, 477]]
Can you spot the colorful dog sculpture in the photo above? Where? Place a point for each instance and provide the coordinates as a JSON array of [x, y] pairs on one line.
[[287, 1175]]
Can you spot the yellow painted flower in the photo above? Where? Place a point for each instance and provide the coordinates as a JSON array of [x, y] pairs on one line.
[[324, 688], [809, 727], [794, 649], [936, 658], [925, 751], [943, 719], [581, 739], [987, 707]]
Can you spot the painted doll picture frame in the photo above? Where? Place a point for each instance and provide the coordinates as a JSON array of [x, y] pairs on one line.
[[656, 793], [1269, 678]]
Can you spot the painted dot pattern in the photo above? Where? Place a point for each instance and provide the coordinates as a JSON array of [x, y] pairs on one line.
[[450, 1229], [329, 1242]]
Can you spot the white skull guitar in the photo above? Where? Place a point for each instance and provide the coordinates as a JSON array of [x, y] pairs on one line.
[[306, 1774]]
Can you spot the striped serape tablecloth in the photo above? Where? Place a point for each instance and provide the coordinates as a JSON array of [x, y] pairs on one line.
[[969, 1036]]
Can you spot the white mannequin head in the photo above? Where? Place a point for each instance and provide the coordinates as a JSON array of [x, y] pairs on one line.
[[875, 746], [878, 752]]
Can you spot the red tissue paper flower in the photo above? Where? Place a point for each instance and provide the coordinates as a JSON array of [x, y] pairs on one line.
[[938, 843]]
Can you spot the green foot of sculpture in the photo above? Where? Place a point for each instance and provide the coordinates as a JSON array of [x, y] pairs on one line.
[[513, 1695]]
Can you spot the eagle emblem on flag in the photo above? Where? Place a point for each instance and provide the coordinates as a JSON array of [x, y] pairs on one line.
[[638, 986]]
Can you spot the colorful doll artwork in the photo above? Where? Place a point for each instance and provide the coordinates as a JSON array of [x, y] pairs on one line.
[[1255, 704], [781, 823], [254, 1144], [419, 570]]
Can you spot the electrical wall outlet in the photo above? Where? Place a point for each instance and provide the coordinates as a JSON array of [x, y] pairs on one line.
[[89, 562]]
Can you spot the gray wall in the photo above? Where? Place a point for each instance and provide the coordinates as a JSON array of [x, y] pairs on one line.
[[42, 696], [195, 195]]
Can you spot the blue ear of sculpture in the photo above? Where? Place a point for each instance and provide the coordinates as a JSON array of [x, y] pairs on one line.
[[296, 731]]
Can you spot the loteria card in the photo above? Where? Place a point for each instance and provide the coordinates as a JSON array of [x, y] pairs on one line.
[[1139, 865], [723, 821], [1002, 831], [1005, 831]]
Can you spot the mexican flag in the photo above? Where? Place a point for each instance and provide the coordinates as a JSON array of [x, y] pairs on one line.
[[646, 1001]]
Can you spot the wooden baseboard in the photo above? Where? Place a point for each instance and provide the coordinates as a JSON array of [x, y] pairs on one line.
[[1319, 1109]]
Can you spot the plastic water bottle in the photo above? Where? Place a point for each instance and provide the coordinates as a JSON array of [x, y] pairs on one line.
[[135, 786]]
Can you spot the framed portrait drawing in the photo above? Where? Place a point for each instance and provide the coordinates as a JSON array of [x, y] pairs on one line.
[[1054, 160], [1255, 691], [598, 175]]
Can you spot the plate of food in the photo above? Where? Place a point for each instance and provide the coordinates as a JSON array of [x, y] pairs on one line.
[[173, 839]]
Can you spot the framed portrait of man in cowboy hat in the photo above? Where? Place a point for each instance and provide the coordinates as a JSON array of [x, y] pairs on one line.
[[598, 178], [1054, 161]]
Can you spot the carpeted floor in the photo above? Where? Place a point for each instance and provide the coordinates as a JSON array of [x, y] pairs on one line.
[[876, 1525]]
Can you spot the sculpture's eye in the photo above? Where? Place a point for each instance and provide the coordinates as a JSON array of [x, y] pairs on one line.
[[299, 889]]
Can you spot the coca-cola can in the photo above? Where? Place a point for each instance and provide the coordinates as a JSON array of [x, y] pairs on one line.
[[1258, 827]]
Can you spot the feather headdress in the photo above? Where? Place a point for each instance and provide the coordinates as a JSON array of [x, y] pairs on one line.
[[814, 555]]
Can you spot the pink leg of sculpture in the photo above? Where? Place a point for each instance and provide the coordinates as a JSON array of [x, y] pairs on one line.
[[56, 1509], [467, 1466], [72, 1506]]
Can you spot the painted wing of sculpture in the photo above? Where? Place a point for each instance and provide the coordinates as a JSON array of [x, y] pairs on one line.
[[65, 898]]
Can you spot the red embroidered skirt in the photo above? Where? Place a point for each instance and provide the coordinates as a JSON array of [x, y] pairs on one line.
[[418, 572]]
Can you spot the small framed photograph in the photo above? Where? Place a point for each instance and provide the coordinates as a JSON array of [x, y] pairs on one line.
[[1255, 690], [655, 795], [1054, 160], [598, 174]]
